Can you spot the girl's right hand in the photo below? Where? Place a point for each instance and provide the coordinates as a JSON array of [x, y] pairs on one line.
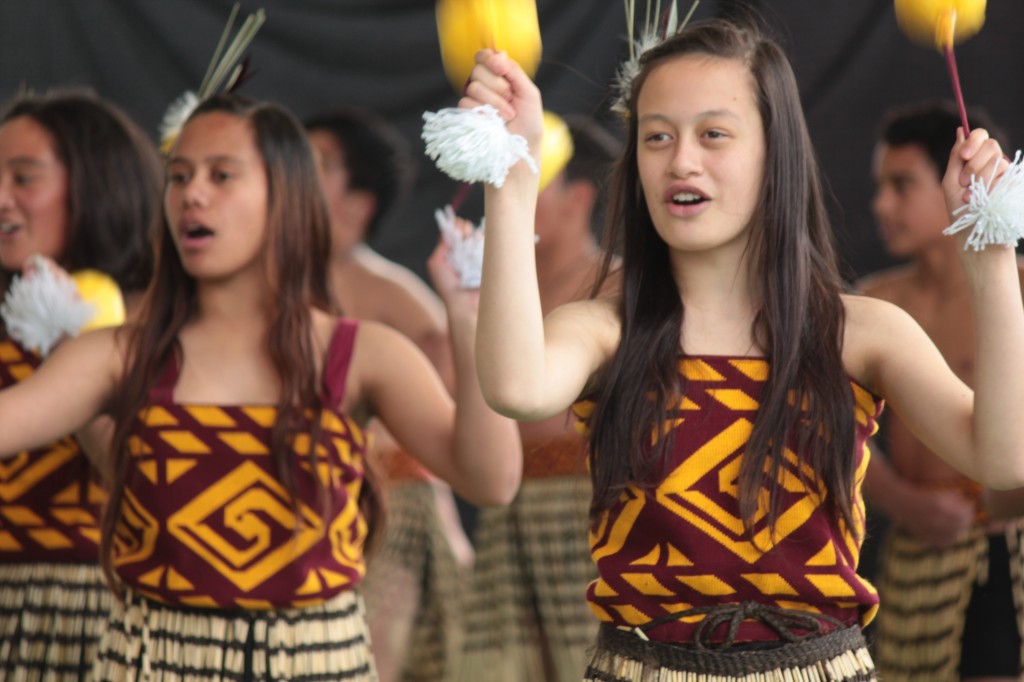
[[499, 81]]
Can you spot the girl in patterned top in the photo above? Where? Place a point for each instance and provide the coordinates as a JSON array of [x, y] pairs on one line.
[[730, 389], [240, 503], [79, 185]]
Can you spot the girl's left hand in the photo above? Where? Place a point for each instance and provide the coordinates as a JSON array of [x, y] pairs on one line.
[[446, 280], [499, 81], [977, 155]]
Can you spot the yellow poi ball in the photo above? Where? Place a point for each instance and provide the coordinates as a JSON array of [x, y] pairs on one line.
[[933, 22], [465, 27], [105, 296], [555, 149]]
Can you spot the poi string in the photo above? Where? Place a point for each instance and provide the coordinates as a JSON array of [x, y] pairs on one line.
[[994, 212], [942, 24], [947, 27]]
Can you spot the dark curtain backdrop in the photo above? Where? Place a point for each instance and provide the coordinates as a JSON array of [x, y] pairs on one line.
[[850, 58]]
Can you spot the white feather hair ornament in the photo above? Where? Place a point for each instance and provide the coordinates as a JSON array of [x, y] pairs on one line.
[[474, 145], [995, 211], [174, 119], [652, 33], [42, 308], [223, 70], [467, 250]]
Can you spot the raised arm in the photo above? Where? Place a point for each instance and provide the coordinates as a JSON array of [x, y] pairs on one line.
[[474, 449], [411, 307], [69, 389], [980, 433], [994, 283], [528, 369]]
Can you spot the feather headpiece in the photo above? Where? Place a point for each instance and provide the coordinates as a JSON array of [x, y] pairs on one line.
[[655, 29], [224, 72]]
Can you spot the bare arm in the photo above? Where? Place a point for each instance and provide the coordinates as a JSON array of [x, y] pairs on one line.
[[428, 331], [470, 446], [65, 393], [528, 369], [994, 284], [96, 438], [980, 433], [411, 307]]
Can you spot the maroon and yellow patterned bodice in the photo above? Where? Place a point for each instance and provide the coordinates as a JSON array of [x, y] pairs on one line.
[[683, 545], [206, 521], [49, 498]]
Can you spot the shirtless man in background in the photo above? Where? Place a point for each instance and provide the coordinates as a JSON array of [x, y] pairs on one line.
[[949, 606]]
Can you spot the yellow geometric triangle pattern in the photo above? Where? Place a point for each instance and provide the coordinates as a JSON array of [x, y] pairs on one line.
[[185, 442], [154, 415], [207, 521], [43, 517], [176, 468], [826, 557], [10, 352], [681, 543], [211, 416], [649, 559], [69, 495], [244, 443], [204, 523]]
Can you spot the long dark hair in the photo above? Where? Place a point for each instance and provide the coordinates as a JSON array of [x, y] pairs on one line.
[[298, 245], [114, 180], [807, 402]]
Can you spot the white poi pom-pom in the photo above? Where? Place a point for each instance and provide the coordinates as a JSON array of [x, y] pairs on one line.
[[42, 308], [175, 116], [473, 145], [996, 213], [467, 250]]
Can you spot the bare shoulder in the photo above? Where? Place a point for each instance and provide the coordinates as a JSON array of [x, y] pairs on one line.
[[874, 328], [396, 272], [96, 357], [380, 355], [376, 343], [108, 346], [401, 277], [886, 284], [391, 294], [421, 318], [372, 338]]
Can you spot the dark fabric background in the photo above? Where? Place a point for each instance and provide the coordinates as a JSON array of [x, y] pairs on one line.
[[850, 58]]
